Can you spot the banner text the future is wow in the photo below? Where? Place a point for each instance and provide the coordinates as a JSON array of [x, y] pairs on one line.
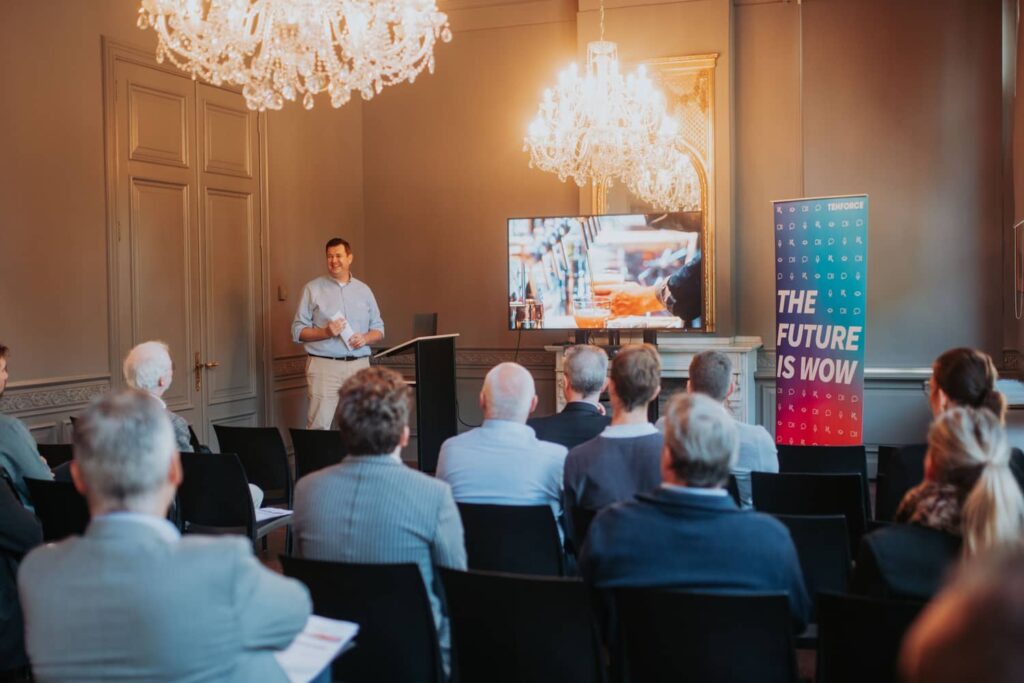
[[820, 302]]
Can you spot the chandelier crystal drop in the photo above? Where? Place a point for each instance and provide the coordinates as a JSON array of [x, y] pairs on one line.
[[278, 50], [669, 182], [600, 126]]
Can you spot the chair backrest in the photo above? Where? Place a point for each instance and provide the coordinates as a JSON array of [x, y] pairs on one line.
[[521, 539], [859, 638], [61, 509], [508, 628], [676, 636], [827, 460], [812, 494], [904, 469], [56, 454], [733, 488], [214, 496], [886, 454], [262, 453], [397, 640], [823, 547], [424, 324], [316, 449], [581, 519]]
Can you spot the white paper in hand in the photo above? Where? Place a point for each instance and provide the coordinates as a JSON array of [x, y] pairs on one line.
[[346, 332], [315, 648]]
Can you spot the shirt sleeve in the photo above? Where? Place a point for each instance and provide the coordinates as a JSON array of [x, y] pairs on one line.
[[272, 609], [449, 547], [304, 314], [376, 322]]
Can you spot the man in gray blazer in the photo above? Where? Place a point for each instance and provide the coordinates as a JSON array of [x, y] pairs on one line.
[[131, 600], [371, 508]]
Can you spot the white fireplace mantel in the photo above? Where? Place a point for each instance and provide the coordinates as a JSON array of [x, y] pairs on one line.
[[676, 354]]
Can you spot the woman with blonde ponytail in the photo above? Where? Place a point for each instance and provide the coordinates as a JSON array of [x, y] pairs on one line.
[[968, 503]]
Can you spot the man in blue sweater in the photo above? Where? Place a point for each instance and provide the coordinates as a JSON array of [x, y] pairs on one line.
[[688, 534]]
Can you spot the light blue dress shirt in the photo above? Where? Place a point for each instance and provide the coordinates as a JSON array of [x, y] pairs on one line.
[[323, 299], [503, 463]]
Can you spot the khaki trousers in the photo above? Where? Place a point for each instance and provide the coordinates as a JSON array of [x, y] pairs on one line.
[[324, 378]]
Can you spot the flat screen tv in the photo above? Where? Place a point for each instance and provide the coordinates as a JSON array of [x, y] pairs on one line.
[[619, 271]]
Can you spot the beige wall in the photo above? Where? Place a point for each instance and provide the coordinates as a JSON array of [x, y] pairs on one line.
[[901, 101], [444, 169]]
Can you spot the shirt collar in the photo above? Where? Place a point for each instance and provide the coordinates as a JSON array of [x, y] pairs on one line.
[[167, 531], [507, 426], [628, 431], [712, 492]]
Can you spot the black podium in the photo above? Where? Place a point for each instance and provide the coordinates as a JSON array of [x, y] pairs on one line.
[[437, 415]]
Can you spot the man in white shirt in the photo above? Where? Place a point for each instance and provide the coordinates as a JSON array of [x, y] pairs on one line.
[[711, 375], [502, 462]]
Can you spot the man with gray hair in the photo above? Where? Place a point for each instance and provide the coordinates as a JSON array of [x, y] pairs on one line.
[[711, 375], [148, 367], [688, 534], [502, 462], [584, 377], [131, 599]]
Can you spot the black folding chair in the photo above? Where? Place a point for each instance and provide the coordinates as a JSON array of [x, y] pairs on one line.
[[859, 638], [671, 636], [316, 449], [733, 488], [581, 519], [56, 454], [262, 453], [900, 469], [812, 494], [512, 538], [823, 547], [509, 628], [214, 498], [827, 460], [397, 640], [61, 509]]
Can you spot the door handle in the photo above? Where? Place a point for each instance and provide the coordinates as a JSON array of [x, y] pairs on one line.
[[198, 369]]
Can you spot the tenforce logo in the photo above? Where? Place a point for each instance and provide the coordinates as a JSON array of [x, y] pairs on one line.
[[846, 206]]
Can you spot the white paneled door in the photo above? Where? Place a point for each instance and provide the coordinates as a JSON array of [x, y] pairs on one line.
[[186, 264]]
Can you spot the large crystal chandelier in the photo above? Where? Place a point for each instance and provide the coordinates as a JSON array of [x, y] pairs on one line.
[[601, 126], [277, 50], [669, 182]]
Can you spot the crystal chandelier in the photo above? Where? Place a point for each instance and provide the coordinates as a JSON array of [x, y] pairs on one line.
[[601, 126], [277, 50], [669, 182]]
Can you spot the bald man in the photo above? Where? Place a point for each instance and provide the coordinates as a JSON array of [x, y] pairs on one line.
[[502, 462]]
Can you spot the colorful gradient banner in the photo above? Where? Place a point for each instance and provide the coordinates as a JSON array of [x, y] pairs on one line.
[[820, 300]]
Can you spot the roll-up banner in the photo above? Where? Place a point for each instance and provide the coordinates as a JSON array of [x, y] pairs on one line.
[[821, 249]]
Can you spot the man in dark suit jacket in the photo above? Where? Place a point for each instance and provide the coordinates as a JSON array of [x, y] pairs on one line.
[[584, 377], [20, 531], [689, 534]]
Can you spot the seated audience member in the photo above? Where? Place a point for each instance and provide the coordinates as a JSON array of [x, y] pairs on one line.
[[20, 531], [689, 534], [502, 462], [19, 454], [585, 374], [370, 508], [148, 367], [968, 493], [974, 629], [131, 599], [625, 459], [711, 375]]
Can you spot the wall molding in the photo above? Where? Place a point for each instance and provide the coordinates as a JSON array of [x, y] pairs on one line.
[[52, 395], [294, 365]]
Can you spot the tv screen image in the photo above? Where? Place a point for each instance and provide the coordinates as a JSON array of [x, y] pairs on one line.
[[622, 271]]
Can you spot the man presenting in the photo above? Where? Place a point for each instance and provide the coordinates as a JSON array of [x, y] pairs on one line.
[[337, 320]]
